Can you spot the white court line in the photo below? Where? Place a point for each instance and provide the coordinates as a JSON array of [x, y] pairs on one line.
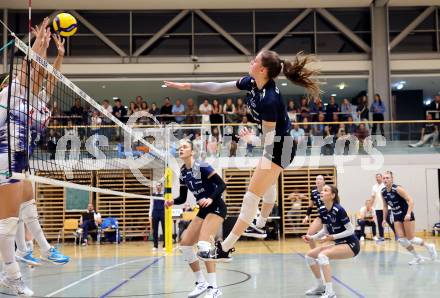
[[92, 275]]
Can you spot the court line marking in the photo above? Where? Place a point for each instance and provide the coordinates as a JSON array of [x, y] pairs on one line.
[[130, 278], [93, 275], [343, 284]]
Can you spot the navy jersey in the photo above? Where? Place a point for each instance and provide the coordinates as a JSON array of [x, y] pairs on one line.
[[398, 205], [196, 179], [315, 196], [266, 104], [336, 219]]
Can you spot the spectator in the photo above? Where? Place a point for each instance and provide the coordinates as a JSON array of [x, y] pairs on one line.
[[367, 217], [318, 129], [133, 108], [199, 147], [138, 102], [166, 110], [178, 110], [214, 141], [229, 111], [230, 140], [361, 134], [315, 107], [292, 110], [106, 131], [89, 220], [351, 127], [335, 127], [157, 215], [217, 111], [154, 110], [306, 126], [205, 109], [362, 108], [191, 112], [429, 133], [328, 146], [106, 105], [241, 109], [245, 124], [144, 106], [331, 108], [342, 135], [96, 122], [119, 111], [304, 109], [297, 133], [77, 112], [378, 110], [52, 143], [346, 109]]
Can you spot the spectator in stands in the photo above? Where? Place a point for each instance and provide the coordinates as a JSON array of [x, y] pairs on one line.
[[119, 111], [315, 107], [138, 102], [335, 127], [318, 129], [230, 111], [205, 108], [178, 110], [342, 138], [245, 124], [429, 133], [217, 111], [346, 109], [241, 109], [52, 141], [106, 105], [154, 110], [166, 110], [230, 140], [88, 221], [77, 112], [304, 109], [350, 126], [362, 109], [378, 110], [367, 217], [331, 109], [144, 106], [214, 141], [133, 108], [95, 131], [292, 110], [157, 215], [328, 146], [362, 133], [297, 133], [306, 127], [191, 112]]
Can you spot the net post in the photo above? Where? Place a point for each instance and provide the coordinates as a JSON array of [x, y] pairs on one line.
[[168, 234]]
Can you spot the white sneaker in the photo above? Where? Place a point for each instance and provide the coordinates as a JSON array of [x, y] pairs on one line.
[[432, 251], [362, 238], [328, 295], [416, 261], [317, 290], [200, 288], [375, 238], [17, 286], [213, 293]]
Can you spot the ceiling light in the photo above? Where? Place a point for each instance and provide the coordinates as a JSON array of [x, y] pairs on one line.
[[163, 86], [341, 86], [427, 101], [399, 86], [103, 86], [283, 84], [334, 94]]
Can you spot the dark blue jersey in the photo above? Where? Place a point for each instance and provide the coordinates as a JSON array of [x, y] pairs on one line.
[[398, 205], [266, 104], [336, 219], [315, 196], [196, 179]]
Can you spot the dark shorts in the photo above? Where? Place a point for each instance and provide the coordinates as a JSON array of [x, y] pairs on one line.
[[401, 217], [217, 207], [352, 242], [282, 151]]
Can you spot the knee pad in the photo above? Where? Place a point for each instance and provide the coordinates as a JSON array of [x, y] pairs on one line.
[[404, 242], [310, 261], [203, 246], [416, 241], [189, 254], [28, 212], [249, 208], [8, 226], [270, 195], [323, 259]]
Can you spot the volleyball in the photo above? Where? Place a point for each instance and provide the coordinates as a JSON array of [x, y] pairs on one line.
[[65, 24]]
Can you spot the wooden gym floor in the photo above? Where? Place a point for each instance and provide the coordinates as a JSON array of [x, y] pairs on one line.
[[259, 269]]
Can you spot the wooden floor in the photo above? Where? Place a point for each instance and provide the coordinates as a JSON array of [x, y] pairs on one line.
[[259, 269]]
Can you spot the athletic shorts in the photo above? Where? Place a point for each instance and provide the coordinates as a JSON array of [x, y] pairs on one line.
[[352, 242], [401, 216], [282, 151], [217, 207]]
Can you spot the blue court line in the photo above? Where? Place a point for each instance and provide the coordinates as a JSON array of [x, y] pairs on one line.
[[112, 290], [340, 282]]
